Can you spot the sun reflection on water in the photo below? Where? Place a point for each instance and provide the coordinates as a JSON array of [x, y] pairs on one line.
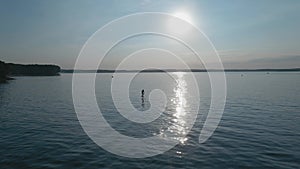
[[177, 121]]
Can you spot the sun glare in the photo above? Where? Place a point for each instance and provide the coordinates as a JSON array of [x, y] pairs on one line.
[[175, 25], [184, 16]]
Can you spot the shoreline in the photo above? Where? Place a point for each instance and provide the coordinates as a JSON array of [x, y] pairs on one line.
[[178, 70]]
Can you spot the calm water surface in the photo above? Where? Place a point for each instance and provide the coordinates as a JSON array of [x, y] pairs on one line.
[[260, 127]]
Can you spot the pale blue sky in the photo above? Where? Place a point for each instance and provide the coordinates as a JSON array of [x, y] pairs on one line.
[[247, 34]]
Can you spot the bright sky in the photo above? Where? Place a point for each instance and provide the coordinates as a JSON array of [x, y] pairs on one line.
[[247, 34]]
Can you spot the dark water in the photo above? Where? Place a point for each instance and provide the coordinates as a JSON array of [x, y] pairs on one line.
[[260, 127]]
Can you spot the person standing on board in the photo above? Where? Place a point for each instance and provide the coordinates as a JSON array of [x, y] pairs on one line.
[[143, 92]]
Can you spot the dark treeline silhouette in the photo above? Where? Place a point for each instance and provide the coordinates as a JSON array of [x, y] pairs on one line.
[[11, 69], [3, 72], [33, 70]]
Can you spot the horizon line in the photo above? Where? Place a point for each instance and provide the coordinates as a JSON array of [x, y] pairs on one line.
[[176, 70]]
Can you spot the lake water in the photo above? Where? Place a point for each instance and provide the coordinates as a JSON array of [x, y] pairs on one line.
[[260, 127]]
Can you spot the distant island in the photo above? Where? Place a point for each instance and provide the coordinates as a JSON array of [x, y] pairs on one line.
[[178, 70], [11, 69]]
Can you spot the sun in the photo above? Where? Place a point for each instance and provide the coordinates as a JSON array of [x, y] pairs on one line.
[[176, 25], [184, 16]]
